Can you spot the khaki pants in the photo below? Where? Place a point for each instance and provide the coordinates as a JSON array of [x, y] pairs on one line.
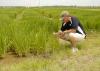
[[67, 36]]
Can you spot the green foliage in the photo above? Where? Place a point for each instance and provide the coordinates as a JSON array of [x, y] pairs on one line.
[[30, 29]]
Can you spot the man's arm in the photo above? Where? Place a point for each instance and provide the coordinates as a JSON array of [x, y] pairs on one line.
[[74, 25], [70, 31]]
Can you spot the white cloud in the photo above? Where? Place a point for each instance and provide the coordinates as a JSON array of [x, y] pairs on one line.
[[49, 2]]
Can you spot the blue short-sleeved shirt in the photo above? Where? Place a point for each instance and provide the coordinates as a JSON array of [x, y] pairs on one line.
[[73, 24]]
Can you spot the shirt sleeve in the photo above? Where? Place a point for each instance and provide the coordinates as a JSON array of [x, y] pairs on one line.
[[74, 23]]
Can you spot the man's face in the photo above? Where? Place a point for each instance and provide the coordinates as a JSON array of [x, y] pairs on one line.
[[65, 19]]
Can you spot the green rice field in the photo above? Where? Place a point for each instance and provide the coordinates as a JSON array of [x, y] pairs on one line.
[[27, 42]]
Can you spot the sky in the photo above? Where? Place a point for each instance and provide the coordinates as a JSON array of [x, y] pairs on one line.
[[49, 2]]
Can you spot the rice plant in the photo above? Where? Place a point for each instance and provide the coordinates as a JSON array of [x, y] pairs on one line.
[[32, 32]]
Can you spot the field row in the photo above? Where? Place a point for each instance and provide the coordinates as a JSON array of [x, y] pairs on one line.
[[29, 30]]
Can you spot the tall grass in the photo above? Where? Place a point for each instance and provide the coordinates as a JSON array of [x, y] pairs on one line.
[[32, 32]]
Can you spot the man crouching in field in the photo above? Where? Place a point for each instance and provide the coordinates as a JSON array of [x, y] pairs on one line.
[[71, 30]]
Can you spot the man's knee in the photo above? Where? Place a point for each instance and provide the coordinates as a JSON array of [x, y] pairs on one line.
[[72, 37]]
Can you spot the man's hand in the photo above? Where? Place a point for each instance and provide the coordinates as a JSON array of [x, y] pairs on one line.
[[59, 33], [62, 33]]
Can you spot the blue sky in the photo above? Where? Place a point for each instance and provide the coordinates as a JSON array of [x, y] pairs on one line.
[[49, 2]]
